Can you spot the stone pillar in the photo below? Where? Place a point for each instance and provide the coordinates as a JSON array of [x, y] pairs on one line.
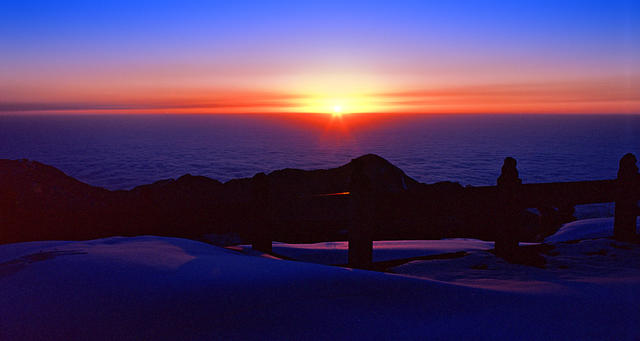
[[508, 217], [627, 195], [362, 218], [261, 221]]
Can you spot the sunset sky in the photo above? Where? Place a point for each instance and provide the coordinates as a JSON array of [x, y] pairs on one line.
[[320, 56]]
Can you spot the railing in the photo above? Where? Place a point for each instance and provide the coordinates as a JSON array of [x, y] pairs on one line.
[[510, 196]]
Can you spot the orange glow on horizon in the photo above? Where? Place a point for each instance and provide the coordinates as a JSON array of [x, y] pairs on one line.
[[579, 96]]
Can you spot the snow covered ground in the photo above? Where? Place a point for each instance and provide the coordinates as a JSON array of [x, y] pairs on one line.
[[335, 253], [169, 288], [585, 229]]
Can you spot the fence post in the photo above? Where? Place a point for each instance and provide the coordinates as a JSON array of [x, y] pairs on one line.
[[362, 206], [261, 233], [509, 215], [627, 195]]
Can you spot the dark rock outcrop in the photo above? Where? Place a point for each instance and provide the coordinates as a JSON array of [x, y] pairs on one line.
[[39, 202]]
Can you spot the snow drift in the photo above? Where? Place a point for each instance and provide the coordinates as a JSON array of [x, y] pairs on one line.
[[584, 229], [169, 288]]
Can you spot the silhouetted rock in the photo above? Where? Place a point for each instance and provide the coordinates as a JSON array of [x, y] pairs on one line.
[[39, 202]]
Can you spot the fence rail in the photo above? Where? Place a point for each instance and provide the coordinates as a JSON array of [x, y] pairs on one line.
[[510, 196]]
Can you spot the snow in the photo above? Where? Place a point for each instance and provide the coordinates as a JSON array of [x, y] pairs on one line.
[[176, 289], [601, 260], [335, 253], [584, 229]]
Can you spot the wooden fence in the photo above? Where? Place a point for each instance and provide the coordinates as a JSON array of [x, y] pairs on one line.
[[511, 196]]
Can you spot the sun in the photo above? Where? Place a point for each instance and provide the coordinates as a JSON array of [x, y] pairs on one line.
[[337, 110], [336, 106]]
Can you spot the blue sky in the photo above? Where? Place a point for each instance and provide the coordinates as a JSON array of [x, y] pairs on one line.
[[258, 46]]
